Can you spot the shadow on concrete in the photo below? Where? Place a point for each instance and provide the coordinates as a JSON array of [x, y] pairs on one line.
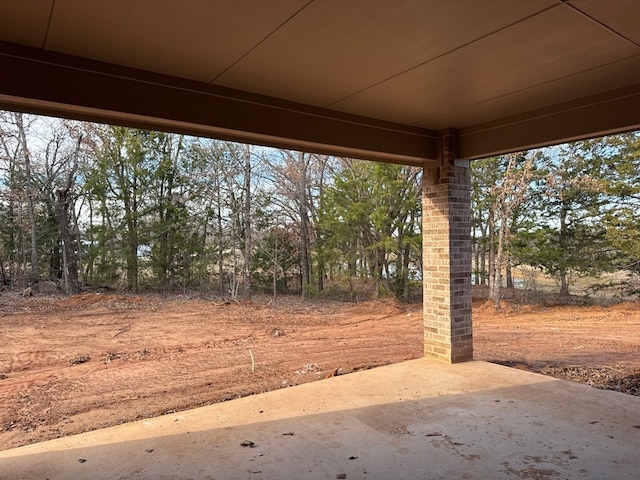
[[414, 420]]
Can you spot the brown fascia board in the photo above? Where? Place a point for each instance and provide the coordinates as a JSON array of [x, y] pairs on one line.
[[614, 111], [49, 83]]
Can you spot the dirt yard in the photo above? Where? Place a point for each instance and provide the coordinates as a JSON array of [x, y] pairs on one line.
[[69, 365]]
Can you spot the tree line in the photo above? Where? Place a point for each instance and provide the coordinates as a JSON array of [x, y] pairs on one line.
[[88, 205], [567, 212]]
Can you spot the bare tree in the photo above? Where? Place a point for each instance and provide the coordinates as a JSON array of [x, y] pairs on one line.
[[247, 222], [69, 259], [298, 181], [508, 194], [65, 145], [30, 190], [12, 202]]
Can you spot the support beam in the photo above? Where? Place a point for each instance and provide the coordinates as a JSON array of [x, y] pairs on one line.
[[49, 83], [611, 112], [446, 240]]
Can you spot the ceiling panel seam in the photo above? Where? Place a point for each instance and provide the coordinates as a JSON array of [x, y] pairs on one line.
[[295, 14], [601, 24], [45, 43], [459, 47]]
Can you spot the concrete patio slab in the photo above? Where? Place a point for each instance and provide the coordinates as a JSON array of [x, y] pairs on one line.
[[415, 420]]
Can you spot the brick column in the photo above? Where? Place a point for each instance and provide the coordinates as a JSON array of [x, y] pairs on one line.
[[446, 244]]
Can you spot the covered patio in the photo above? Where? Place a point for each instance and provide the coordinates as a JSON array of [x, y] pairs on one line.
[[427, 83], [434, 84], [420, 419]]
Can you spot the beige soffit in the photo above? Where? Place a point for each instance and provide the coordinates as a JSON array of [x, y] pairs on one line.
[[374, 79]]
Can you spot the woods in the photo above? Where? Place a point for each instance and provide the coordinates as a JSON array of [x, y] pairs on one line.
[[566, 212], [93, 205]]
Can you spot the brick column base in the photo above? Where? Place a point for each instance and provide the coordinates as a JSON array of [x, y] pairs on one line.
[[446, 243]]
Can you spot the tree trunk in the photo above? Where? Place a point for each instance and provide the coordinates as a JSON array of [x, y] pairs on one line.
[[304, 252], [78, 243], [476, 261], [5, 282], [132, 258], [499, 262], [378, 268], [321, 274], [509, 274], [483, 256], [491, 255], [69, 262], [303, 212], [130, 206], [405, 272], [247, 224], [29, 190], [220, 247], [564, 285], [275, 264]]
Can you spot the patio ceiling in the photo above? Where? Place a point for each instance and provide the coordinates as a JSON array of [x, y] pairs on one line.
[[373, 79]]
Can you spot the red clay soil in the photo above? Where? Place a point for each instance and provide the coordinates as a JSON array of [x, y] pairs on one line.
[[69, 365]]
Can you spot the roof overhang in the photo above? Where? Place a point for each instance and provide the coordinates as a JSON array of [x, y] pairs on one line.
[[374, 80], [93, 91]]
